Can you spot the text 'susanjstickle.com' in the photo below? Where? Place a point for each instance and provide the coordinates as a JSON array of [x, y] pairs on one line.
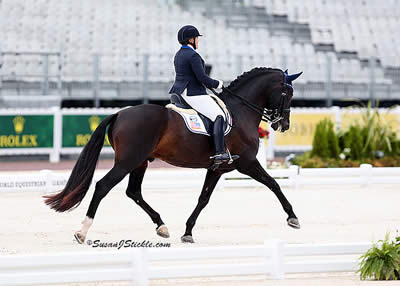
[[128, 243]]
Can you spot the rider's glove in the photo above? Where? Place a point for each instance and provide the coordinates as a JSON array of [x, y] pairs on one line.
[[221, 84]]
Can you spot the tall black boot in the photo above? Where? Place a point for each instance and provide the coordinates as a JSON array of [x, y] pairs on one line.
[[218, 136]]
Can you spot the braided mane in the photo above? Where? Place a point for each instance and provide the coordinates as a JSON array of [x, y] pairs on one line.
[[246, 76]]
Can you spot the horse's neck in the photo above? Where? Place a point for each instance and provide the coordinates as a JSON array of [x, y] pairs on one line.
[[252, 91]]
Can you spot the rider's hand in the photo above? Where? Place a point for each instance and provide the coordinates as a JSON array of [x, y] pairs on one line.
[[221, 84]]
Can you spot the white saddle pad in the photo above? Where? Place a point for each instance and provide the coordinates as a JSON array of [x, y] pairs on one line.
[[194, 123]]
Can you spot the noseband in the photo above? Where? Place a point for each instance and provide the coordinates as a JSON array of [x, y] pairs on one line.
[[268, 115], [275, 115]]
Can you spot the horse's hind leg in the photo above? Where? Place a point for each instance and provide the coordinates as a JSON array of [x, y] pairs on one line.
[[112, 178], [134, 191]]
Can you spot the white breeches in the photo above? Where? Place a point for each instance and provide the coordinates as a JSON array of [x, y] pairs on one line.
[[205, 105]]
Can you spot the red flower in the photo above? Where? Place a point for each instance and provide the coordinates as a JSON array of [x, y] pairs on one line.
[[262, 132]]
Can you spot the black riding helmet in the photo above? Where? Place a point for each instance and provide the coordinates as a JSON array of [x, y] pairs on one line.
[[187, 32]]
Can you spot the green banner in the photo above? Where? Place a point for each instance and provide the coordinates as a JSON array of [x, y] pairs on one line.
[[77, 129], [26, 131]]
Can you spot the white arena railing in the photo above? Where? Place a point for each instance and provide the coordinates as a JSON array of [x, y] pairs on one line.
[[140, 265], [294, 177]]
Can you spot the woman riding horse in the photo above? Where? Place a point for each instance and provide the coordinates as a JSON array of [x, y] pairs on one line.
[[141, 133], [191, 82]]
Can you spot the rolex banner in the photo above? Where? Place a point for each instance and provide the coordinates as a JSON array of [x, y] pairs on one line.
[[26, 131], [77, 129]]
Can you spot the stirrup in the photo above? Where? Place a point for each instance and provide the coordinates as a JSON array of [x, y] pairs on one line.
[[231, 157], [224, 158]]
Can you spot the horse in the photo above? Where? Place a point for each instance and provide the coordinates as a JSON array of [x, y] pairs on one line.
[[141, 133]]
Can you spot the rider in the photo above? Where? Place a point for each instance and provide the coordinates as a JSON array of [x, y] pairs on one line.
[[191, 82]]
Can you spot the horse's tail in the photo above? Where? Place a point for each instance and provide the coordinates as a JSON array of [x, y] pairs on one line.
[[82, 174]]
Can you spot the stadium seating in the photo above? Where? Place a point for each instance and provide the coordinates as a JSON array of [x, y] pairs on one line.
[[123, 32], [368, 27]]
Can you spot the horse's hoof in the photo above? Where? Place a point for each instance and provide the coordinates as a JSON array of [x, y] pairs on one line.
[[187, 239], [79, 237], [162, 231], [293, 222]]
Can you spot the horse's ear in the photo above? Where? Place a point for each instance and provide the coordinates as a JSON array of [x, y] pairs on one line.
[[293, 77]]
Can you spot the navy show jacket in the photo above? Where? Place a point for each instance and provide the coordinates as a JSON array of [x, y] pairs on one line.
[[190, 73]]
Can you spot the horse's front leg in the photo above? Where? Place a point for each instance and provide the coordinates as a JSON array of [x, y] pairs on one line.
[[257, 172], [210, 182]]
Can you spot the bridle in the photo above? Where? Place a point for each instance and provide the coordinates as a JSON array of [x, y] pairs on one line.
[[275, 115], [268, 115]]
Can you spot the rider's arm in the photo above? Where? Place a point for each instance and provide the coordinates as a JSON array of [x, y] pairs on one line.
[[198, 70]]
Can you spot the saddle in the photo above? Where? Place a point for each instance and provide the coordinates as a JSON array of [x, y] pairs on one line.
[[196, 122]]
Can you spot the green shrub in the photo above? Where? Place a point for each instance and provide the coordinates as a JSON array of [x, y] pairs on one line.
[[361, 143], [333, 142], [353, 139], [395, 145], [370, 135], [320, 141], [325, 142], [381, 262], [378, 135]]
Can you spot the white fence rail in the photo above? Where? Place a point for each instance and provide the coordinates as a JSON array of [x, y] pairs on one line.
[[296, 176], [49, 181], [140, 265]]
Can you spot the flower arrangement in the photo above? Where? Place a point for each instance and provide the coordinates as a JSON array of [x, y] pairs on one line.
[[262, 132]]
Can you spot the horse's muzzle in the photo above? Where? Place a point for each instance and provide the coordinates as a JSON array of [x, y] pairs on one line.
[[281, 125], [284, 125]]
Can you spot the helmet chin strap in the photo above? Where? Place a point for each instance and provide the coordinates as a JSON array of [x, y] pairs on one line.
[[193, 44]]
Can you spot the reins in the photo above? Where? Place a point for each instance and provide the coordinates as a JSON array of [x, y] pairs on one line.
[[268, 115]]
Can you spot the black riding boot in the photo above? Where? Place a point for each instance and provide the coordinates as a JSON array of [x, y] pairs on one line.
[[218, 135]]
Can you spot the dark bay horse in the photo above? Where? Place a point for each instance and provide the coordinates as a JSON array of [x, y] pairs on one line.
[[141, 133]]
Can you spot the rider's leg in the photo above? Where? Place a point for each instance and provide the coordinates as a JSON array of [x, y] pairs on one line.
[[205, 105], [209, 108], [218, 136]]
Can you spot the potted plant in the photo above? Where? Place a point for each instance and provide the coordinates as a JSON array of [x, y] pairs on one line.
[[382, 261]]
